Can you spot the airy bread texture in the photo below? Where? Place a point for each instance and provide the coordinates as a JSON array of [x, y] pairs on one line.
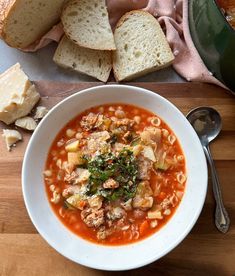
[[86, 22], [95, 63], [25, 21], [141, 46]]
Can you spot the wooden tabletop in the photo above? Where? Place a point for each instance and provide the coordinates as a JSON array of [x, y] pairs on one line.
[[204, 251]]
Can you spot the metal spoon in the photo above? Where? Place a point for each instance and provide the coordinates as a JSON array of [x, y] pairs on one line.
[[207, 123]]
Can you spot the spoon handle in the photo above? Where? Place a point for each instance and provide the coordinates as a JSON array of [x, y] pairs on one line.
[[222, 220]]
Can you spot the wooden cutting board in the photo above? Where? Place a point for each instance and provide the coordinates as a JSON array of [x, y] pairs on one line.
[[205, 251]]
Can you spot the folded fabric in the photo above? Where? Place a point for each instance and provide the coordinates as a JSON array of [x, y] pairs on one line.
[[173, 17]]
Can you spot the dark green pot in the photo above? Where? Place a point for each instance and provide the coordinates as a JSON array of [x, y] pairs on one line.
[[214, 39]]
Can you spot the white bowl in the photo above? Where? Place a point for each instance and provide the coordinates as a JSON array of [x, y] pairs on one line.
[[113, 257]]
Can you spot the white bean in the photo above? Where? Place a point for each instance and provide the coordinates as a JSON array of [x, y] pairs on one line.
[[165, 132], [111, 109], [78, 135], [47, 173], [60, 143], [70, 132], [52, 188], [59, 163], [167, 212], [56, 197], [120, 114], [153, 223], [137, 119]]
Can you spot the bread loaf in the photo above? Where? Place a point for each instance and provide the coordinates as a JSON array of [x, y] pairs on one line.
[[22, 22]]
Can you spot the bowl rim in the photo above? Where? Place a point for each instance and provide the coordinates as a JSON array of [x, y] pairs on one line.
[[101, 266]]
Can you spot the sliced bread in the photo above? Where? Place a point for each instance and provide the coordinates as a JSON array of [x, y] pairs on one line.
[[94, 63], [86, 22], [25, 21], [141, 46]]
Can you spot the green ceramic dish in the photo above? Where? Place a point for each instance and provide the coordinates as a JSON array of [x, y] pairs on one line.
[[214, 39]]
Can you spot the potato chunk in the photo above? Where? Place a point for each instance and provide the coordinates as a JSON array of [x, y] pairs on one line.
[[75, 158], [72, 147]]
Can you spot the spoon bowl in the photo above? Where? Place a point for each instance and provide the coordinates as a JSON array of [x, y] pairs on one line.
[[207, 123]]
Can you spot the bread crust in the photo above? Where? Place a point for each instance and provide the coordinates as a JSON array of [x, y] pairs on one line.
[[5, 7]]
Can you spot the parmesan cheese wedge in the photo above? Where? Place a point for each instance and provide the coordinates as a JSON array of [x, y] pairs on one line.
[[11, 137], [17, 95]]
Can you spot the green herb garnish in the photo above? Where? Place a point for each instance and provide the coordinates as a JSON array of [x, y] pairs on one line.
[[122, 168]]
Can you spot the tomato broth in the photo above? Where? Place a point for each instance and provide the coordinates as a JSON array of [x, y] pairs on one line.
[[114, 212]]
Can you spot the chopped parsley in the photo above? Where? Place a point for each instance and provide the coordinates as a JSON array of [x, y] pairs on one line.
[[122, 168]]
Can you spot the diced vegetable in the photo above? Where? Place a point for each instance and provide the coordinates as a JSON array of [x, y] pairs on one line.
[[153, 223], [143, 198], [143, 227], [68, 206], [137, 149], [149, 153], [151, 135], [155, 214], [83, 175], [161, 162], [72, 147], [76, 201], [95, 201], [75, 158], [144, 189], [142, 203], [136, 141], [162, 165]]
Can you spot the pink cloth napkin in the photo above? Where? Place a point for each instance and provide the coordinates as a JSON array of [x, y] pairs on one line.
[[173, 17]]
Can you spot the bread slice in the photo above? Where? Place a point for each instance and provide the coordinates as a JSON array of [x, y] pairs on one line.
[[141, 46], [86, 22], [95, 63], [25, 21]]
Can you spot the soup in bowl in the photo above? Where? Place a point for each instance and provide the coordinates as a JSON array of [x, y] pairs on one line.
[[114, 177], [115, 174]]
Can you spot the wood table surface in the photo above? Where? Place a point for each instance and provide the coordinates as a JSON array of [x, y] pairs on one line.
[[204, 251]]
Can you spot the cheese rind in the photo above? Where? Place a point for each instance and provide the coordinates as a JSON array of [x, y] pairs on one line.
[[17, 95], [11, 137]]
